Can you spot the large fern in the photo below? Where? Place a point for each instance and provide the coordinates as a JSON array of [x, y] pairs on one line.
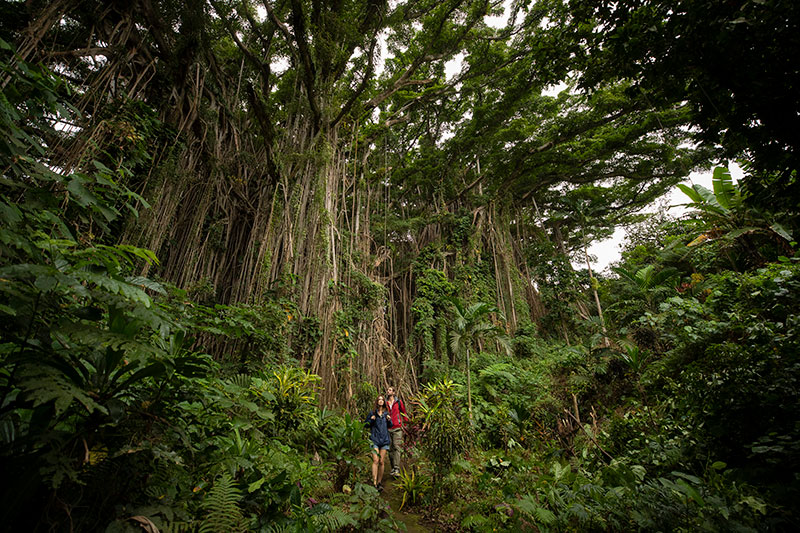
[[474, 521], [222, 508], [333, 519]]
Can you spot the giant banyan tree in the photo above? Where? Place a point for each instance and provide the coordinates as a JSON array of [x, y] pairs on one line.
[[368, 159]]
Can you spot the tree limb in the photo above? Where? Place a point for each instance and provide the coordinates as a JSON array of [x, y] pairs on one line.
[[362, 86], [309, 69]]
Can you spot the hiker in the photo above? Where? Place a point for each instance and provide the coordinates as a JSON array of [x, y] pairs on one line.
[[379, 422], [397, 411]]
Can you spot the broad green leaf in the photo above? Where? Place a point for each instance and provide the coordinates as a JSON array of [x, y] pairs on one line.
[[101, 167], [254, 486], [724, 189], [691, 193], [691, 492], [45, 283], [80, 194], [709, 200], [781, 230], [155, 369], [735, 234]]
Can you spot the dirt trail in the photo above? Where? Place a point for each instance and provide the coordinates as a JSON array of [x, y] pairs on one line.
[[394, 497]]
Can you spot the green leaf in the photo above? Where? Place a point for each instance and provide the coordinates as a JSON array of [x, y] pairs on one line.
[[691, 492], [146, 283], [154, 369], [80, 194], [694, 479], [255, 485], [43, 386], [735, 234], [11, 214], [545, 516], [691, 193], [724, 189], [45, 283], [755, 503], [101, 167], [709, 200], [781, 230], [142, 253]]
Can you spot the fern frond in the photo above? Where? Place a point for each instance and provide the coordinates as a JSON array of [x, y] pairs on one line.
[[474, 520], [48, 385], [334, 519], [222, 508], [281, 526]]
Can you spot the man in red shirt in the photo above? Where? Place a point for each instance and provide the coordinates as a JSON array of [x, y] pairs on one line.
[[398, 413]]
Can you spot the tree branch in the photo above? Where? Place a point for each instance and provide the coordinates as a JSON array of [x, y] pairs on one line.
[[309, 70], [362, 86], [105, 51], [257, 63]]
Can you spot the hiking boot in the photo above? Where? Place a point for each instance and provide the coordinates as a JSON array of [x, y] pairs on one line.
[[380, 487], [395, 472]]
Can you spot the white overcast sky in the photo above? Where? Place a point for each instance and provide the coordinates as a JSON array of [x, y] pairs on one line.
[[608, 251]]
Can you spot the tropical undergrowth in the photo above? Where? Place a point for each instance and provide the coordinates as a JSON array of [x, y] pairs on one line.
[[685, 419], [677, 411], [112, 414]]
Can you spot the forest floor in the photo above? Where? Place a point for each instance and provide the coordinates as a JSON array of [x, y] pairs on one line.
[[394, 496]]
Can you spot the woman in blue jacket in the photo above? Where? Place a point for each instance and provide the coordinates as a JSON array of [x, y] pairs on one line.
[[379, 422]]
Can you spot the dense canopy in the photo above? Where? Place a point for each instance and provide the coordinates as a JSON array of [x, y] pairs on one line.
[[227, 225]]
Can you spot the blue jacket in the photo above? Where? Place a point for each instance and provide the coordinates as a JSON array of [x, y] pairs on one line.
[[379, 428]]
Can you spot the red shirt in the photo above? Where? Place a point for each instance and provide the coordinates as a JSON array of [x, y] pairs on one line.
[[395, 409]]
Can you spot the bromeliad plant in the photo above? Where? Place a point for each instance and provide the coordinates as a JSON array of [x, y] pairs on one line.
[[295, 396], [414, 485]]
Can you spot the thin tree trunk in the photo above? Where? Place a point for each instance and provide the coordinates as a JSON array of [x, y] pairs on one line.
[[596, 297], [469, 386]]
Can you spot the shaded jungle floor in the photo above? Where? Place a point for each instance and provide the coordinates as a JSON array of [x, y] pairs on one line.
[[394, 496]]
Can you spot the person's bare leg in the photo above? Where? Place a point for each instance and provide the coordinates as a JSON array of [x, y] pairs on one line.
[[375, 468], [380, 466]]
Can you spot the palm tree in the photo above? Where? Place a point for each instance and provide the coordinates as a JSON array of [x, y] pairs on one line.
[[648, 281], [470, 325]]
